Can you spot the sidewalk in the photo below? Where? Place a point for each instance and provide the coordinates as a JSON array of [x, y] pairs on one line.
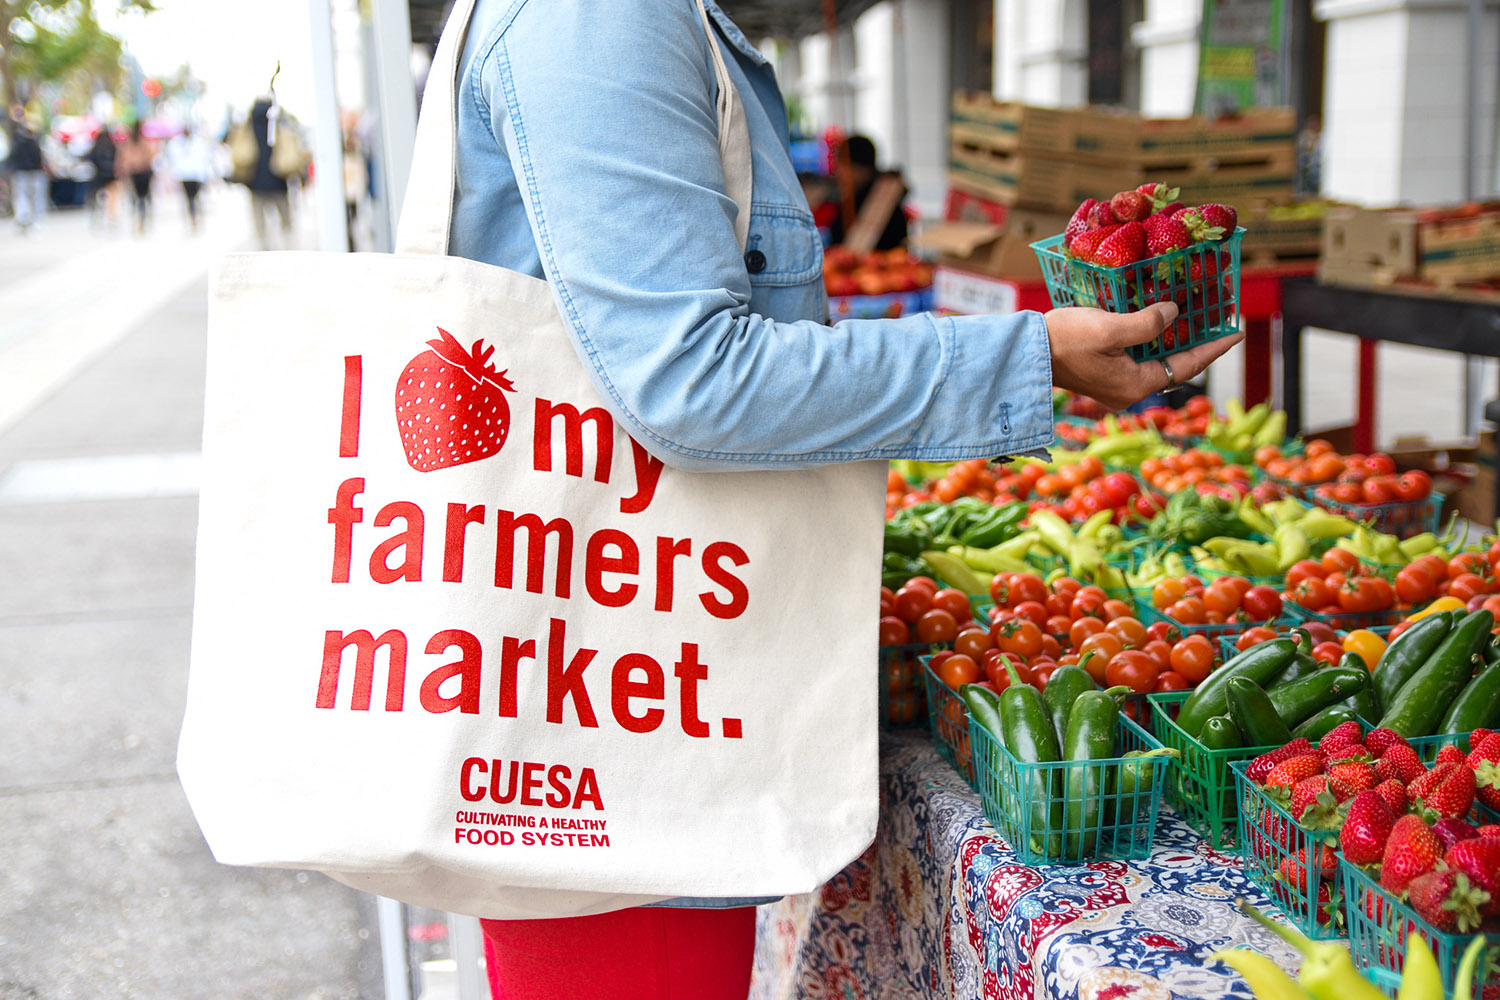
[[106, 886]]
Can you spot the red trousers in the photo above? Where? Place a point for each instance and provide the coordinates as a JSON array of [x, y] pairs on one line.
[[644, 953]]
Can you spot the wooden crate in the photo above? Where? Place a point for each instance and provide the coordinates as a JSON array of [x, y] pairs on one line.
[[1368, 247], [1010, 126], [1459, 246], [1273, 235]]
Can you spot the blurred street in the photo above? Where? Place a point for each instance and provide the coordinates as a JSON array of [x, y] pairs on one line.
[[106, 886]]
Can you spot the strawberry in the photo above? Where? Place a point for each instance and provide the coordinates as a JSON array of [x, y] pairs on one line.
[[1079, 222], [1125, 245], [1366, 826], [1171, 208], [1445, 792], [1357, 774], [1379, 740], [1447, 900], [1479, 735], [1453, 831], [1479, 859], [1260, 767], [1293, 868], [1087, 242], [1412, 849], [1401, 762], [1102, 215], [1130, 206], [1289, 773], [1489, 831], [450, 405], [1340, 735], [1451, 754], [1317, 801], [1165, 234], [1270, 836], [1484, 759], [1210, 222], [1394, 793], [1159, 194]]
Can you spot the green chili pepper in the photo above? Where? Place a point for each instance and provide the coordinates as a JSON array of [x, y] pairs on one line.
[[1136, 782], [1419, 706], [907, 536], [1091, 736], [1220, 733], [1063, 688], [1029, 736], [994, 527], [1407, 652], [1256, 717]]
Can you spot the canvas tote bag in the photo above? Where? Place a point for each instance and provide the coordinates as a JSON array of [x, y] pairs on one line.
[[461, 641]]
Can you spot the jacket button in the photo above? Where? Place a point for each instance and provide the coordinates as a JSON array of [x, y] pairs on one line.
[[755, 262]]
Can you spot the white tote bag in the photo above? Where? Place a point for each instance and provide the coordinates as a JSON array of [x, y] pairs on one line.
[[461, 641]]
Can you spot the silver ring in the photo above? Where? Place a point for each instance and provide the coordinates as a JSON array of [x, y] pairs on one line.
[[1171, 377]]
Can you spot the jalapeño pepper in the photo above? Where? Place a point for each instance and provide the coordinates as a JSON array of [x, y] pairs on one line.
[[1030, 738], [1092, 727]]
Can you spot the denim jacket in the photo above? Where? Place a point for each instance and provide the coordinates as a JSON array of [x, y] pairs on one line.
[[588, 156]]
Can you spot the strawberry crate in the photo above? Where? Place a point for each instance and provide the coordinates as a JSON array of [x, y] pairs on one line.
[[1380, 924], [1400, 519], [1120, 798], [949, 720], [1204, 281], [1200, 785], [903, 695], [1297, 867]]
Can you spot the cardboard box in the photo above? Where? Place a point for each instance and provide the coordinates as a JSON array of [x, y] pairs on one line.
[[995, 250], [1008, 125], [1463, 249], [1367, 247]]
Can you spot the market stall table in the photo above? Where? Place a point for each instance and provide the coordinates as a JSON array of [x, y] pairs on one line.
[[940, 907], [1446, 322]]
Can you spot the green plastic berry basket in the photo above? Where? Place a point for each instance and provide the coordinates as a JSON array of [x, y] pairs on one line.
[[903, 695], [949, 720], [1200, 785], [1028, 803], [1403, 520], [1380, 924], [1204, 281], [1280, 858]]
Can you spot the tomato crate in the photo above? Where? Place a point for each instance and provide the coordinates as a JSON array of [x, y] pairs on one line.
[[1227, 649], [1400, 519], [1200, 785], [1347, 621], [1282, 859], [949, 720], [1379, 925], [903, 696], [1204, 281], [1027, 803]]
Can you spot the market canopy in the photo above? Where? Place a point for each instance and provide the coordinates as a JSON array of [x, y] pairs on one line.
[[757, 18]]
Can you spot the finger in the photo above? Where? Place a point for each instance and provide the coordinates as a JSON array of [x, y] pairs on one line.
[[1144, 325], [1189, 364]]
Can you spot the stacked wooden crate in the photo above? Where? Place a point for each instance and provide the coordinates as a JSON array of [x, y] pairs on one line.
[[1452, 249]]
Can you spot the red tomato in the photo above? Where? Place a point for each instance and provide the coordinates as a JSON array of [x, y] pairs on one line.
[[1261, 603], [1380, 489], [973, 642], [1159, 651], [1467, 586], [1132, 668], [1057, 625], [1129, 630], [958, 670], [1087, 605], [927, 583], [1117, 609], [1160, 631], [1304, 569], [1328, 652], [1313, 593], [1193, 658], [1171, 680], [894, 631], [1027, 587], [1000, 589], [1221, 598], [936, 625], [955, 602], [1360, 594], [1254, 636], [1467, 562], [1034, 610], [1415, 585], [1021, 637], [1380, 464], [1414, 485], [911, 603], [1337, 560], [1188, 611]]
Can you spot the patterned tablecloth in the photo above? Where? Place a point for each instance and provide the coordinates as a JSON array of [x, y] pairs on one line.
[[940, 907]]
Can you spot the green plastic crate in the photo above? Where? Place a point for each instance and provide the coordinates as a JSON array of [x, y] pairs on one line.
[[1200, 785], [1208, 306], [949, 721], [1123, 823], [903, 695], [1379, 924], [1272, 844]]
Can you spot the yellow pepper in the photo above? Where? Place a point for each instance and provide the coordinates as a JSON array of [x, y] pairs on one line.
[[1264, 977], [1421, 979], [1441, 604], [1328, 972]]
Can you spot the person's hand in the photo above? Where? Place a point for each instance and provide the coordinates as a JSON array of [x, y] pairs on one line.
[[1089, 353]]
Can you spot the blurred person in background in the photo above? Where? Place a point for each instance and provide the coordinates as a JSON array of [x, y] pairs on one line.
[[191, 157], [863, 173], [356, 182], [104, 188], [135, 163], [252, 168], [28, 171]]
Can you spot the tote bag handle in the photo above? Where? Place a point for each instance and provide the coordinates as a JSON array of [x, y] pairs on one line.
[[427, 209]]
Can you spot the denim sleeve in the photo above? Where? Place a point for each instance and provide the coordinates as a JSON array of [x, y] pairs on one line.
[[606, 110]]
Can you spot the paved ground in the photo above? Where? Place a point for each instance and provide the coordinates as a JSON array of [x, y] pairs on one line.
[[106, 886]]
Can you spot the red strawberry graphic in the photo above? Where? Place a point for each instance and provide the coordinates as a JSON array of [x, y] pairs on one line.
[[450, 405]]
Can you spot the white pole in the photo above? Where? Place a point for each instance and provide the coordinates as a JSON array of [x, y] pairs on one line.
[[328, 141], [397, 96]]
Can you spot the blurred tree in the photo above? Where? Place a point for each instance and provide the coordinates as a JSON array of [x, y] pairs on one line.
[[50, 41]]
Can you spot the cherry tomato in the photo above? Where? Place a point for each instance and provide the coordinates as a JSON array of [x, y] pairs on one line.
[[1167, 592], [1380, 490], [1359, 594], [1082, 628], [1129, 630], [1193, 658], [1132, 668], [1468, 562], [1160, 631], [1058, 625], [1221, 598], [927, 583], [1188, 611], [1000, 589], [1117, 609], [958, 670], [1021, 637], [1027, 587], [1467, 586], [1034, 610], [955, 602], [1415, 585], [911, 603], [1254, 636], [1171, 680], [1303, 569], [1414, 485], [936, 625], [973, 642], [1312, 593], [894, 631], [1159, 651], [1328, 652], [1086, 605], [1340, 561], [1261, 603]]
